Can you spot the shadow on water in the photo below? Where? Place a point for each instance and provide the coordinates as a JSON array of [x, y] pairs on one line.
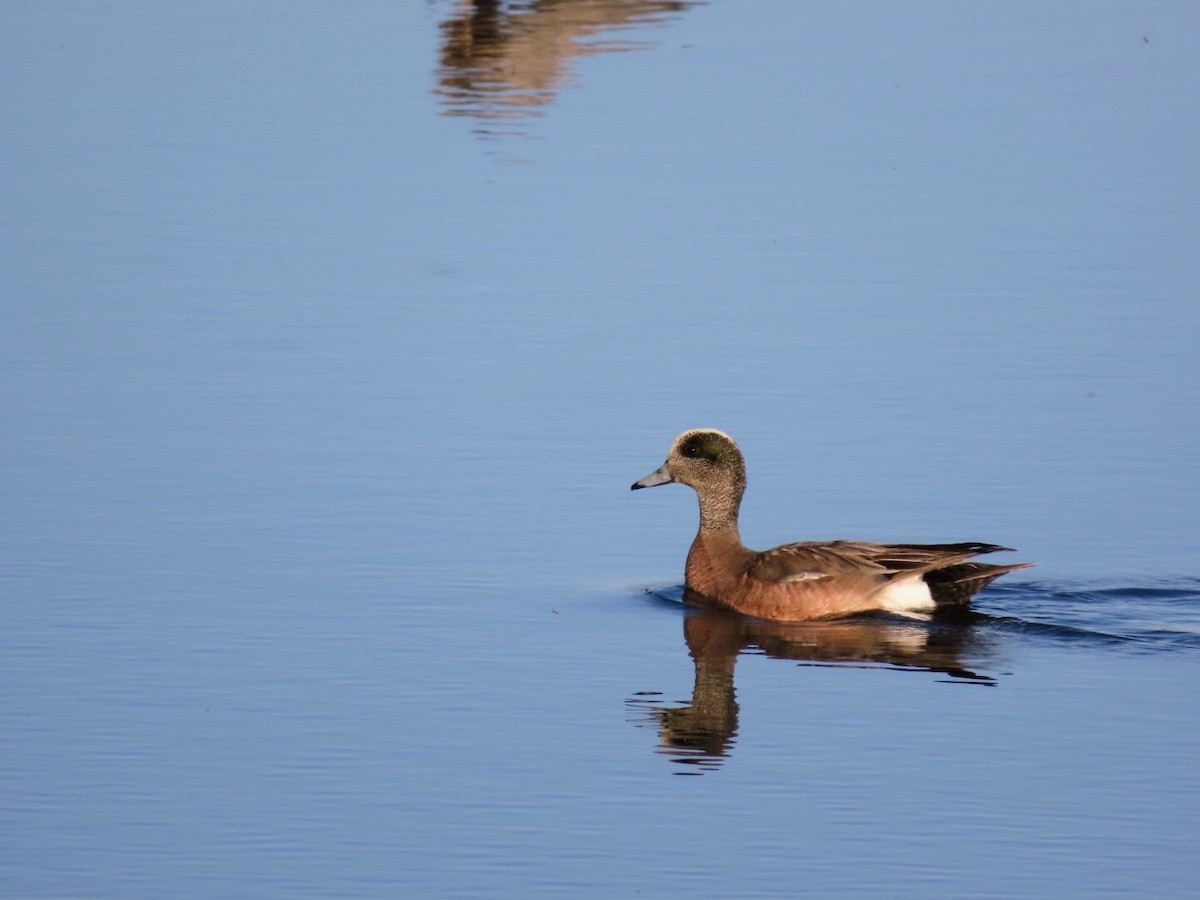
[[503, 62], [699, 734]]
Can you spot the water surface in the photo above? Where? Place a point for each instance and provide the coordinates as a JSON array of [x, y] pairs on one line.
[[332, 343]]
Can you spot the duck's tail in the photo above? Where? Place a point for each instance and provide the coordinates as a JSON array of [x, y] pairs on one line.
[[928, 577], [955, 584]]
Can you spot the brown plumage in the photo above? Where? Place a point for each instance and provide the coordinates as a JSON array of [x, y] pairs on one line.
[[806, 580]]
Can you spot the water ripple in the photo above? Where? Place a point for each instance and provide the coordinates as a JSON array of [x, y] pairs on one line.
[[1151, 617]]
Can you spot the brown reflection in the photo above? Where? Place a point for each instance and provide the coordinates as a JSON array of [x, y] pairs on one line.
[[701, 733], [502, 62]]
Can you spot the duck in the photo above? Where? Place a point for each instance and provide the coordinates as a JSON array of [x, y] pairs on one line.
[[807, 580]]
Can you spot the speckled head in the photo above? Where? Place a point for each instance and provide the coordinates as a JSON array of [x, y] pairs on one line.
[[709, 461]]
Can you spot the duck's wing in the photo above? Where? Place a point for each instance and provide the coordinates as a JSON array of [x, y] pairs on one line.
[[809, 560]]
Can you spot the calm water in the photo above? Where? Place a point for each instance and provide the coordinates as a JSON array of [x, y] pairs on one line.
[[333, 340]]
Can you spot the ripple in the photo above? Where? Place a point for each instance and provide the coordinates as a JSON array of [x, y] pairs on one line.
[[1162, 616]]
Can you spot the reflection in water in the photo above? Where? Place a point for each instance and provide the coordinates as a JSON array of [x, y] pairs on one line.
[[502, 62], [701, 733]]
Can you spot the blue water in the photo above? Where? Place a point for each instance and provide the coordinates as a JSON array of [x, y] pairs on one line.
[[333, 340]]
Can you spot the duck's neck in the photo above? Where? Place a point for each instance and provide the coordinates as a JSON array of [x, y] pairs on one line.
[[719, 510]]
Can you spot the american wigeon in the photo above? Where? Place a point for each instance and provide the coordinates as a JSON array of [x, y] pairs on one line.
[[806, 580]]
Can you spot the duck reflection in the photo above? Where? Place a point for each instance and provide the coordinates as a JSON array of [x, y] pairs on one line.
[[504, 61], [700, 734]]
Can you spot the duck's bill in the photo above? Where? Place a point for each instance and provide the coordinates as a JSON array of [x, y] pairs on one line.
[[658, 476]]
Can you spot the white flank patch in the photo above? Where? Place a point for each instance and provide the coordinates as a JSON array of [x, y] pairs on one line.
[[906, 595]]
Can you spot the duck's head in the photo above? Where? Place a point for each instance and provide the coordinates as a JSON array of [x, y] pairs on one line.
[[709, 461]]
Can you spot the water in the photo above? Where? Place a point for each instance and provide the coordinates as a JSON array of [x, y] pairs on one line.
[[333, 342]]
